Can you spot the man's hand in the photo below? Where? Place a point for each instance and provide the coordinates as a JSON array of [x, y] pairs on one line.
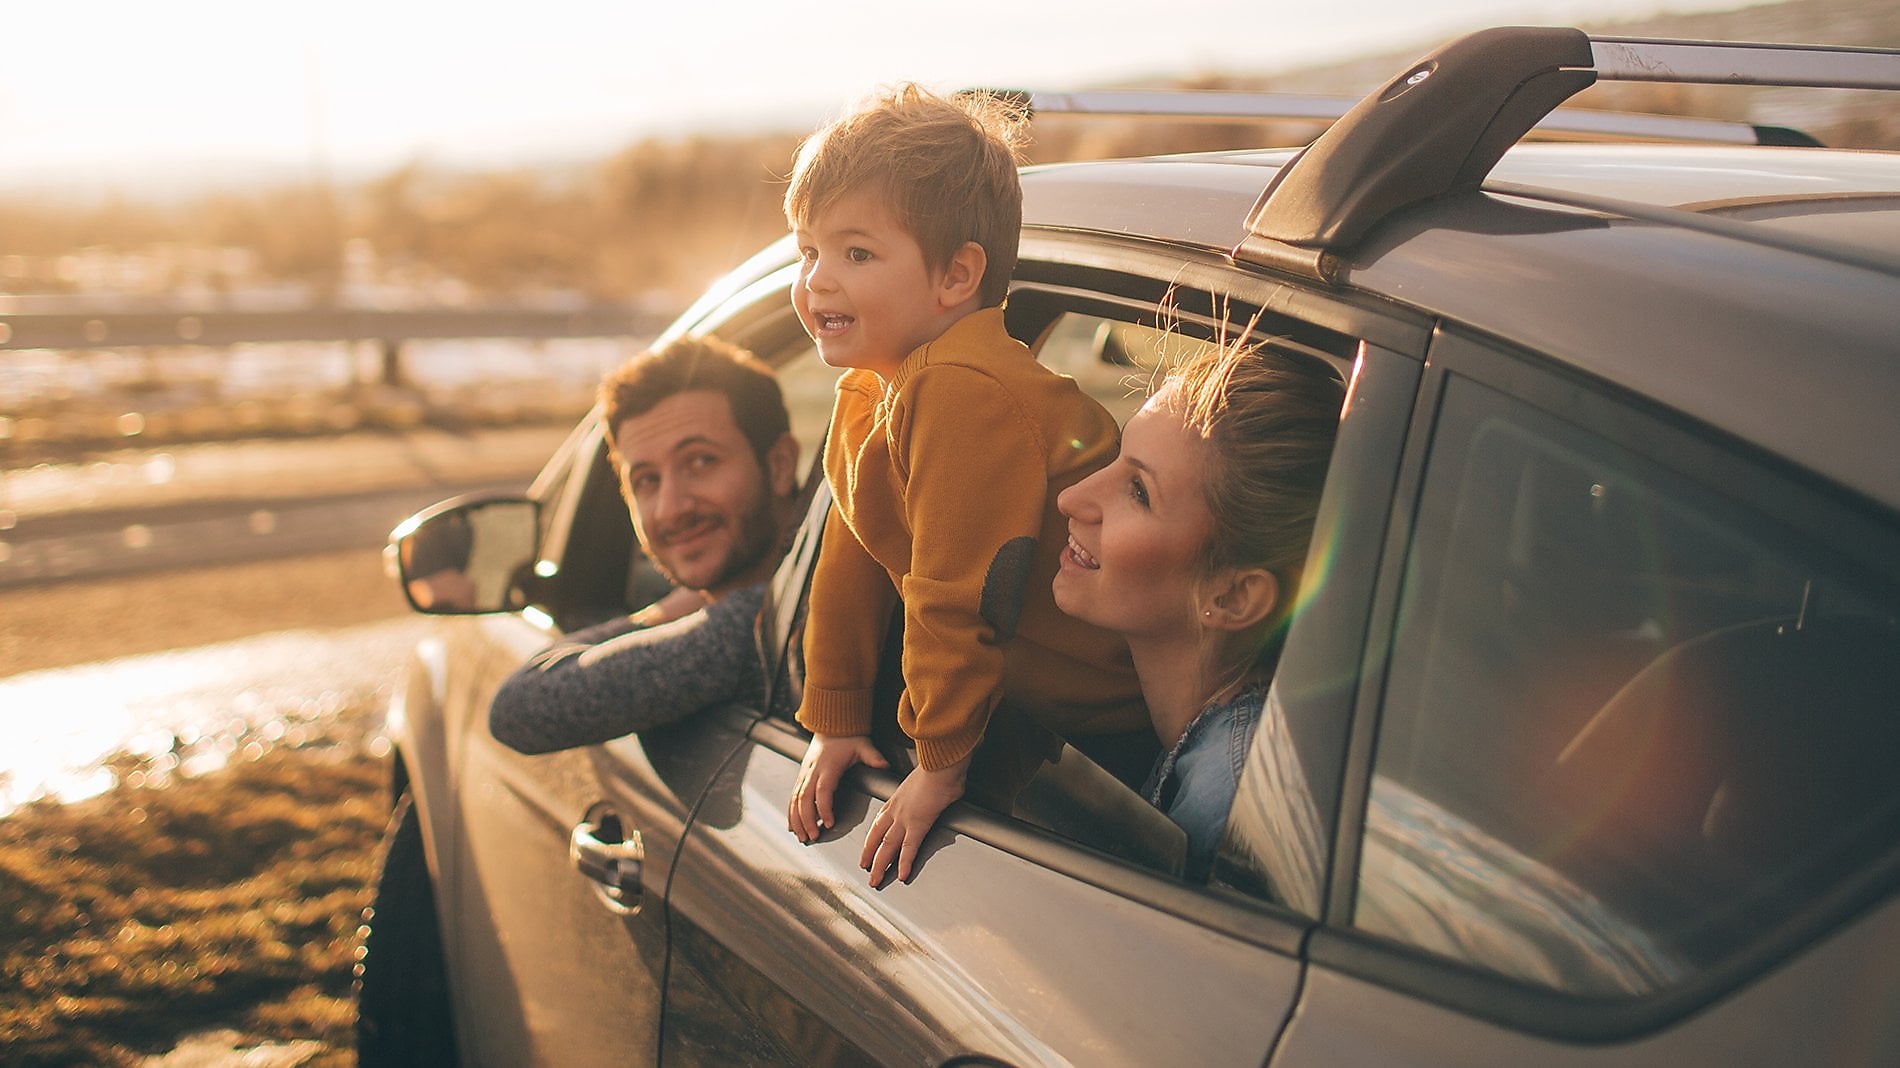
[[826, 761], [680, 602], [899, 829]]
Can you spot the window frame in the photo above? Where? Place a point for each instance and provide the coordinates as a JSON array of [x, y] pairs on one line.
[[1794, 509], [1046, 288]]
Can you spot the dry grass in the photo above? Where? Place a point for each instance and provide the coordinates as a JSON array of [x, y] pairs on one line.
[[146, 914]]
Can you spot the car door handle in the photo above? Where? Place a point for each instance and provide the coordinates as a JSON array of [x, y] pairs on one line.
[[611, 856]]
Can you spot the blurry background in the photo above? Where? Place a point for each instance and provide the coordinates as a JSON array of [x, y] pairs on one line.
[[196, 639], [212, 155]]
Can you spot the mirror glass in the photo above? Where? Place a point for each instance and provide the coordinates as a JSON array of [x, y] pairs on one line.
[[470, 558]]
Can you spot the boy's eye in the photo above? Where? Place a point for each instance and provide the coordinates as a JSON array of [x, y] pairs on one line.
[[858, 255], [808, 254], [1138, 491]]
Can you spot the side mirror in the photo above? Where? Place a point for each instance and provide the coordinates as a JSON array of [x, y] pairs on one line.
[[467, 555]]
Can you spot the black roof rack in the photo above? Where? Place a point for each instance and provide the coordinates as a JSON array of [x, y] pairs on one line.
[[1442, 124], [1322, 109]]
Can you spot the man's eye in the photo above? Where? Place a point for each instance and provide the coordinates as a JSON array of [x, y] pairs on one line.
[[858, 255], [702, 461], [643, 484]]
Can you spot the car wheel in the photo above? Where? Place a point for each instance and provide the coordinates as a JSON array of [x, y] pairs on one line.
[[402, 989]]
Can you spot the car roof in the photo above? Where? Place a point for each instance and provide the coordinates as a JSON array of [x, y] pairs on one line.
[[1754, 289]]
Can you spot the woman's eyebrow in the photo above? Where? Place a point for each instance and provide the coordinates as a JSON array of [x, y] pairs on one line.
[[1154, 480]]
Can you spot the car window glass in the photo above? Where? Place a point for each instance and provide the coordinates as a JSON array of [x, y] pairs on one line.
[[808, 384], [1629, 726], [1113, 361]]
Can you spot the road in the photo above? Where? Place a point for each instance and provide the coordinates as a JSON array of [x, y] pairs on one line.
[[138, 511], [246, 578]]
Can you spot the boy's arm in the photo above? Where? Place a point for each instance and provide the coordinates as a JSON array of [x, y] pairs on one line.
[[849, 610], [976, 496]]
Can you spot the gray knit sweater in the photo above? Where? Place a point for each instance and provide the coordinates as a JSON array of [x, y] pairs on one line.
[[614, 678]]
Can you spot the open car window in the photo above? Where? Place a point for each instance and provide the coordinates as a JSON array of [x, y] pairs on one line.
[[1045, 782]]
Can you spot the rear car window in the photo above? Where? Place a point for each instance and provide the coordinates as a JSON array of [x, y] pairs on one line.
[[1630, 728]]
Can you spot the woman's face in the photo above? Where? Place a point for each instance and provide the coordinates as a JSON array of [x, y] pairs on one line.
[[1138, 529]]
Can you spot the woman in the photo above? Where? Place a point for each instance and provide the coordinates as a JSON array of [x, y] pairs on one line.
[[1190, 545]]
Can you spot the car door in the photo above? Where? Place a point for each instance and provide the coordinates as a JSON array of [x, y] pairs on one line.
[[560, 863], [1621, 739], [552, 964], [1059, 932]]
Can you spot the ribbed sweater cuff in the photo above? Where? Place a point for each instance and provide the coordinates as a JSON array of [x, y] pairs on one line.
[[835, 712], [934, 754]]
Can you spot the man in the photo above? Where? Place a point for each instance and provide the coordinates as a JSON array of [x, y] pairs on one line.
[[700, 437]]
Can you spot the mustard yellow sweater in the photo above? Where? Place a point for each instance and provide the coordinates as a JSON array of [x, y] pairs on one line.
[[945, 481]]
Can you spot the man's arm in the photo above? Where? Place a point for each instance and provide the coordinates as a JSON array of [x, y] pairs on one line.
[[610, 680]]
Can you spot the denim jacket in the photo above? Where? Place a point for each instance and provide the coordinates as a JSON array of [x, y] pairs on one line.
[[1194, 783]]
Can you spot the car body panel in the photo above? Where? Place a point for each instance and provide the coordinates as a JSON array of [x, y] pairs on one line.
[[1812, 335], [983, 952], [540, 956], [1832, 1005]]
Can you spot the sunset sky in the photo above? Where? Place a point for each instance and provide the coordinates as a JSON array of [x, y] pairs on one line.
[[122, 92]]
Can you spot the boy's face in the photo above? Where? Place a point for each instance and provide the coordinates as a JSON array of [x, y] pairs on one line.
[[864, 292]]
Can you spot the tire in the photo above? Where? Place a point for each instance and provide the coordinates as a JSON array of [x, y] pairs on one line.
[[403, 1015]]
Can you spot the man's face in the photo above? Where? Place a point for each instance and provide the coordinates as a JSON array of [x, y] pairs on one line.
[[701, 502]]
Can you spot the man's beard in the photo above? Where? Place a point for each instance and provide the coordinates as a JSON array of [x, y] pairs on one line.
[[757, 535]]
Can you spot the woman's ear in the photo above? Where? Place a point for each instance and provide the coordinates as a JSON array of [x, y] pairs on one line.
[[1240, 599], [963, 277]]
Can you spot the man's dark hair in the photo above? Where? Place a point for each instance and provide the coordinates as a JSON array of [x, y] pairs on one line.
[[637, 386]]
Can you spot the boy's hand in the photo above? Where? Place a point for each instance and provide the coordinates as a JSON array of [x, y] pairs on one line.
[[826, 761], [899, 829]]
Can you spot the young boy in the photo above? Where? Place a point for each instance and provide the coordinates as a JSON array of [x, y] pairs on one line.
[[948, 445]]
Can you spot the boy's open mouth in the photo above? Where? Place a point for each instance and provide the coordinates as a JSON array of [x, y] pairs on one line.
[[833, 321]]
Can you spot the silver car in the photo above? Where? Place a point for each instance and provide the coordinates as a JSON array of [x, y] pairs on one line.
[[1584, 746]]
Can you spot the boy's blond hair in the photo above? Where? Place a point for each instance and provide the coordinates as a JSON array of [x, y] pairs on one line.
[[946, 168]]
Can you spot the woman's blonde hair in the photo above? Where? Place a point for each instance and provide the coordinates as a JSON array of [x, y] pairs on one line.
[[1269, 417]]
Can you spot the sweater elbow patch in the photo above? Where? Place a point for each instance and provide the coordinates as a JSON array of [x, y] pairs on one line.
[[1004, 585]]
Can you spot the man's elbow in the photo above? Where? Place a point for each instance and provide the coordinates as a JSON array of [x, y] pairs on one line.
[[512, 718]]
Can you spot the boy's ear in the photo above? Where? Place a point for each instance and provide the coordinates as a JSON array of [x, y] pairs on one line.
[[963, 277], [781, 466], [1240, 599]]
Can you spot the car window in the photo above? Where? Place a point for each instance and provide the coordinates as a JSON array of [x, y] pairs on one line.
[[1113, 361], [1630, 726], [1117, 361], [809, 384]]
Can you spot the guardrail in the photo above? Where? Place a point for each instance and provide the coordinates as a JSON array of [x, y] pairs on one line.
[[100, 329]]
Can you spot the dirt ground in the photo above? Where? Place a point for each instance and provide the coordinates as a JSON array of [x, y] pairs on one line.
[[225, 938]]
